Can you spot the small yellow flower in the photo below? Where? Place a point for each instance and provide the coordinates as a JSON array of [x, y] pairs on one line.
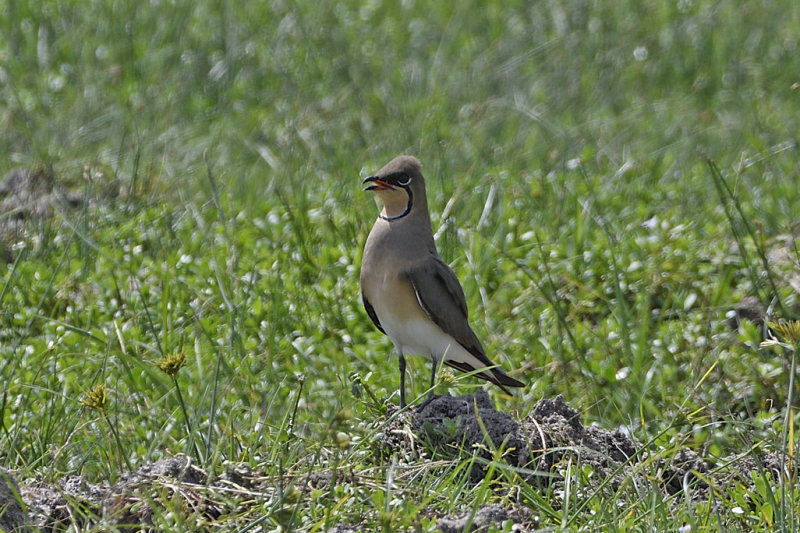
[[96, 397], [788, 330], [447, 378], [170, 364]]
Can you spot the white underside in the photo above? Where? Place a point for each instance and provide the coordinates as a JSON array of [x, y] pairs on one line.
[[421, 336], [404, 320]]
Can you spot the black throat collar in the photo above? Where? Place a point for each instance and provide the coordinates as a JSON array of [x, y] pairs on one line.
[[406, 211]]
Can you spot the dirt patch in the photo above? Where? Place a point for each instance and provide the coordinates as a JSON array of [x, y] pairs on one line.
[[551, 437], [170, 485], [483, 519], [31, 195], [73, 499], [25, 193], [538, 448]]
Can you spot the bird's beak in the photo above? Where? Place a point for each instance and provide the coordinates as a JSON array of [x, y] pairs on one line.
[[376, 184]]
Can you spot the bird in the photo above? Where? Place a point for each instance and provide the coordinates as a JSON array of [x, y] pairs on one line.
[[408, 291]]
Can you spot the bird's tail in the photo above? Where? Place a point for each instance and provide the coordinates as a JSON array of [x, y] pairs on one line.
[[495, 375]]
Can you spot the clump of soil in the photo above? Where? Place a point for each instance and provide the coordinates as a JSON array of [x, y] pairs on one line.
[[25, 193], [447, 425]]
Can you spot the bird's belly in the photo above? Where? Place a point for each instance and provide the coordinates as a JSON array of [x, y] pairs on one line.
[[410, 329], [424, 337], [406, 323]]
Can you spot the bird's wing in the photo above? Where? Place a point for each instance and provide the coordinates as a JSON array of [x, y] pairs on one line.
[[441, 296], [371, 312]]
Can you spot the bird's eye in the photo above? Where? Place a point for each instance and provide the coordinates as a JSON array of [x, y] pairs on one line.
[[404, 180]]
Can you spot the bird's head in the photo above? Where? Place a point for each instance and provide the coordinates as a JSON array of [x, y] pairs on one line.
[[398, 184]]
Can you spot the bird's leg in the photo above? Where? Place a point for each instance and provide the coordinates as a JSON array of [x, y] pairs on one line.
[[433, 384], [433, 375], [402, 364]]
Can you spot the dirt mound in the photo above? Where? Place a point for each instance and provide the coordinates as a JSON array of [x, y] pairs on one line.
[[450, 425]]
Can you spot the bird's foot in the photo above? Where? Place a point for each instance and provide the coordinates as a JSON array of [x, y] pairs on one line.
[[425, 403]]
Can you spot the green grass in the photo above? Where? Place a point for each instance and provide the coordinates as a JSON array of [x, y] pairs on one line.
[[616, 179]]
